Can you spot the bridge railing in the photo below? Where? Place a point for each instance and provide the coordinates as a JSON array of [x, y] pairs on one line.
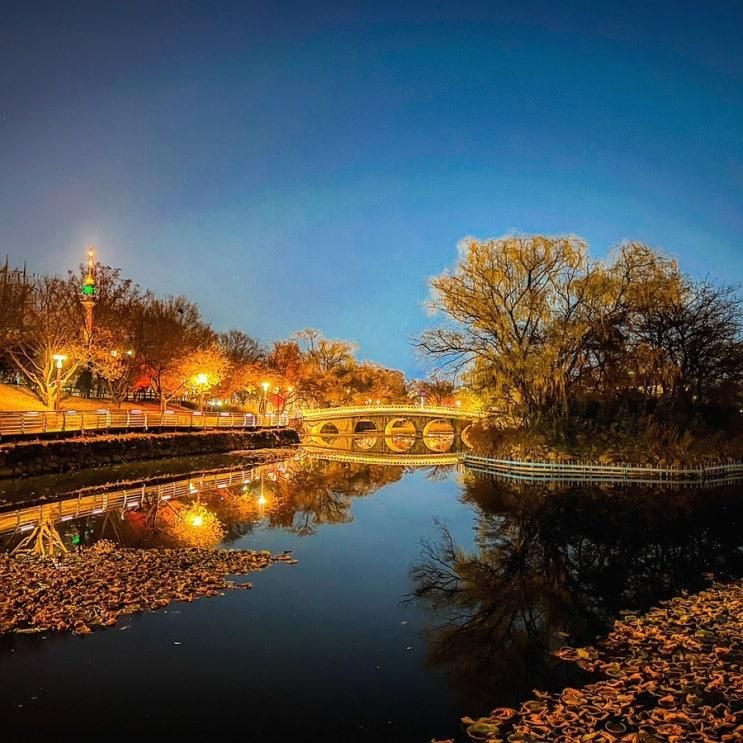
[[36, 422], [442, 410]]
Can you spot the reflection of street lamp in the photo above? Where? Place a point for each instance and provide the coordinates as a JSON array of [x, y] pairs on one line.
[[261, 497], [202, 381], [59, 359], [265, 386]]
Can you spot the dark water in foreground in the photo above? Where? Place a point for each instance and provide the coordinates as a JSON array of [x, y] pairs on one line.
[[420, 596]]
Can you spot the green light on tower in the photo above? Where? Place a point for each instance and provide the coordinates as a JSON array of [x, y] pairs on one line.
[[88, 287]]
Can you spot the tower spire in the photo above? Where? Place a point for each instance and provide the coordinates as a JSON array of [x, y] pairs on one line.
[[88, 295]]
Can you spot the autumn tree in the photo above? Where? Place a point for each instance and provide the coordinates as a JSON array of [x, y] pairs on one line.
[[46, 334], [117, 330], [370, 381], [313, 371], [173, 334], [245, 357], [434, 390], [326, 355]]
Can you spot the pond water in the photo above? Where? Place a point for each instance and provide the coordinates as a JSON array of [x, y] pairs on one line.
[[420, 595]]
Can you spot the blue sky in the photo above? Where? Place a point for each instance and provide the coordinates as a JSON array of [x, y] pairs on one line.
[[290, 165]]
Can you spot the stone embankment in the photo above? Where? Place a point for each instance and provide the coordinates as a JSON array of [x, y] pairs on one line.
[[62, 455]]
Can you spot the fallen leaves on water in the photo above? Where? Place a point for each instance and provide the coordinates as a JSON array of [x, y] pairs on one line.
[[91, 588], [672, 675]]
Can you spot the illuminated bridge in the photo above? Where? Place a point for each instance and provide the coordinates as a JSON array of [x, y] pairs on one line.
[[384, 429]]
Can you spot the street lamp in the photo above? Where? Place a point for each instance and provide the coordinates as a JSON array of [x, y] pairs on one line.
[[202, 381], [265, 386], [59, 359]]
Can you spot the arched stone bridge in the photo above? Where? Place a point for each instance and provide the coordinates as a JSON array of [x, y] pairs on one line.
[[389, 428]]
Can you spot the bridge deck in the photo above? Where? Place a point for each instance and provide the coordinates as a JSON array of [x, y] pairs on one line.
[[379, 410]]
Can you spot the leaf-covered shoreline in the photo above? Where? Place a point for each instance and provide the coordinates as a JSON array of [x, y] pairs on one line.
[[673, 674], [92, 588]]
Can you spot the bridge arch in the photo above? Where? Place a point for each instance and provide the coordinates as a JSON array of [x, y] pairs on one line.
[[400, 434], [365, 434], [325, 431], [438, 435], [365, 425], [466, 435]]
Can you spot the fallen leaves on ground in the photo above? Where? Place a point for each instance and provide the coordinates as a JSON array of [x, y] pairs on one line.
[[674, 674], [91, 588]]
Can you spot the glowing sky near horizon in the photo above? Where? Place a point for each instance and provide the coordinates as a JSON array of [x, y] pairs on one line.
[[290, 165]]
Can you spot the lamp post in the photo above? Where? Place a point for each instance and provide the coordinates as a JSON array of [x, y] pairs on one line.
[[59, 359], [202, 380], [265, 386]]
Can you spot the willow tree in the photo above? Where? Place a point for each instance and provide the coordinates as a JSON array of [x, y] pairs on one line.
[[528, 317]]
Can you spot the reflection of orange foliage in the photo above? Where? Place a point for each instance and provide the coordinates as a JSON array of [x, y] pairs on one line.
[[238, 506], [195, 526]]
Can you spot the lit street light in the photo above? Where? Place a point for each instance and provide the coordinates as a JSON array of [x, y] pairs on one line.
[[202, 381], [265, 386], [59, 359]]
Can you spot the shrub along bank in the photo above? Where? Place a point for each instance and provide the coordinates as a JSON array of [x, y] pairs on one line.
[[61, 455]]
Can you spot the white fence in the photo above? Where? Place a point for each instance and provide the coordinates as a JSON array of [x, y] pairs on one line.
[[598, 473], [87, 503], [35, 423]]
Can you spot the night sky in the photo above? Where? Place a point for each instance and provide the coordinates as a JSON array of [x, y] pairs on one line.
[[309, 164]]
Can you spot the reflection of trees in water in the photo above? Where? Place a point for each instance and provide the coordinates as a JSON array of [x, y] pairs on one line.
[[439, 473], [563, 561], [299, 495], [319, 492]]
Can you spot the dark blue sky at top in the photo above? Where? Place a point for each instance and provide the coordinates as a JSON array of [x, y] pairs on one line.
[[308, 164]]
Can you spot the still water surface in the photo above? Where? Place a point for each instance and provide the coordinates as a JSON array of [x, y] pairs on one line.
[[420, 595]]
